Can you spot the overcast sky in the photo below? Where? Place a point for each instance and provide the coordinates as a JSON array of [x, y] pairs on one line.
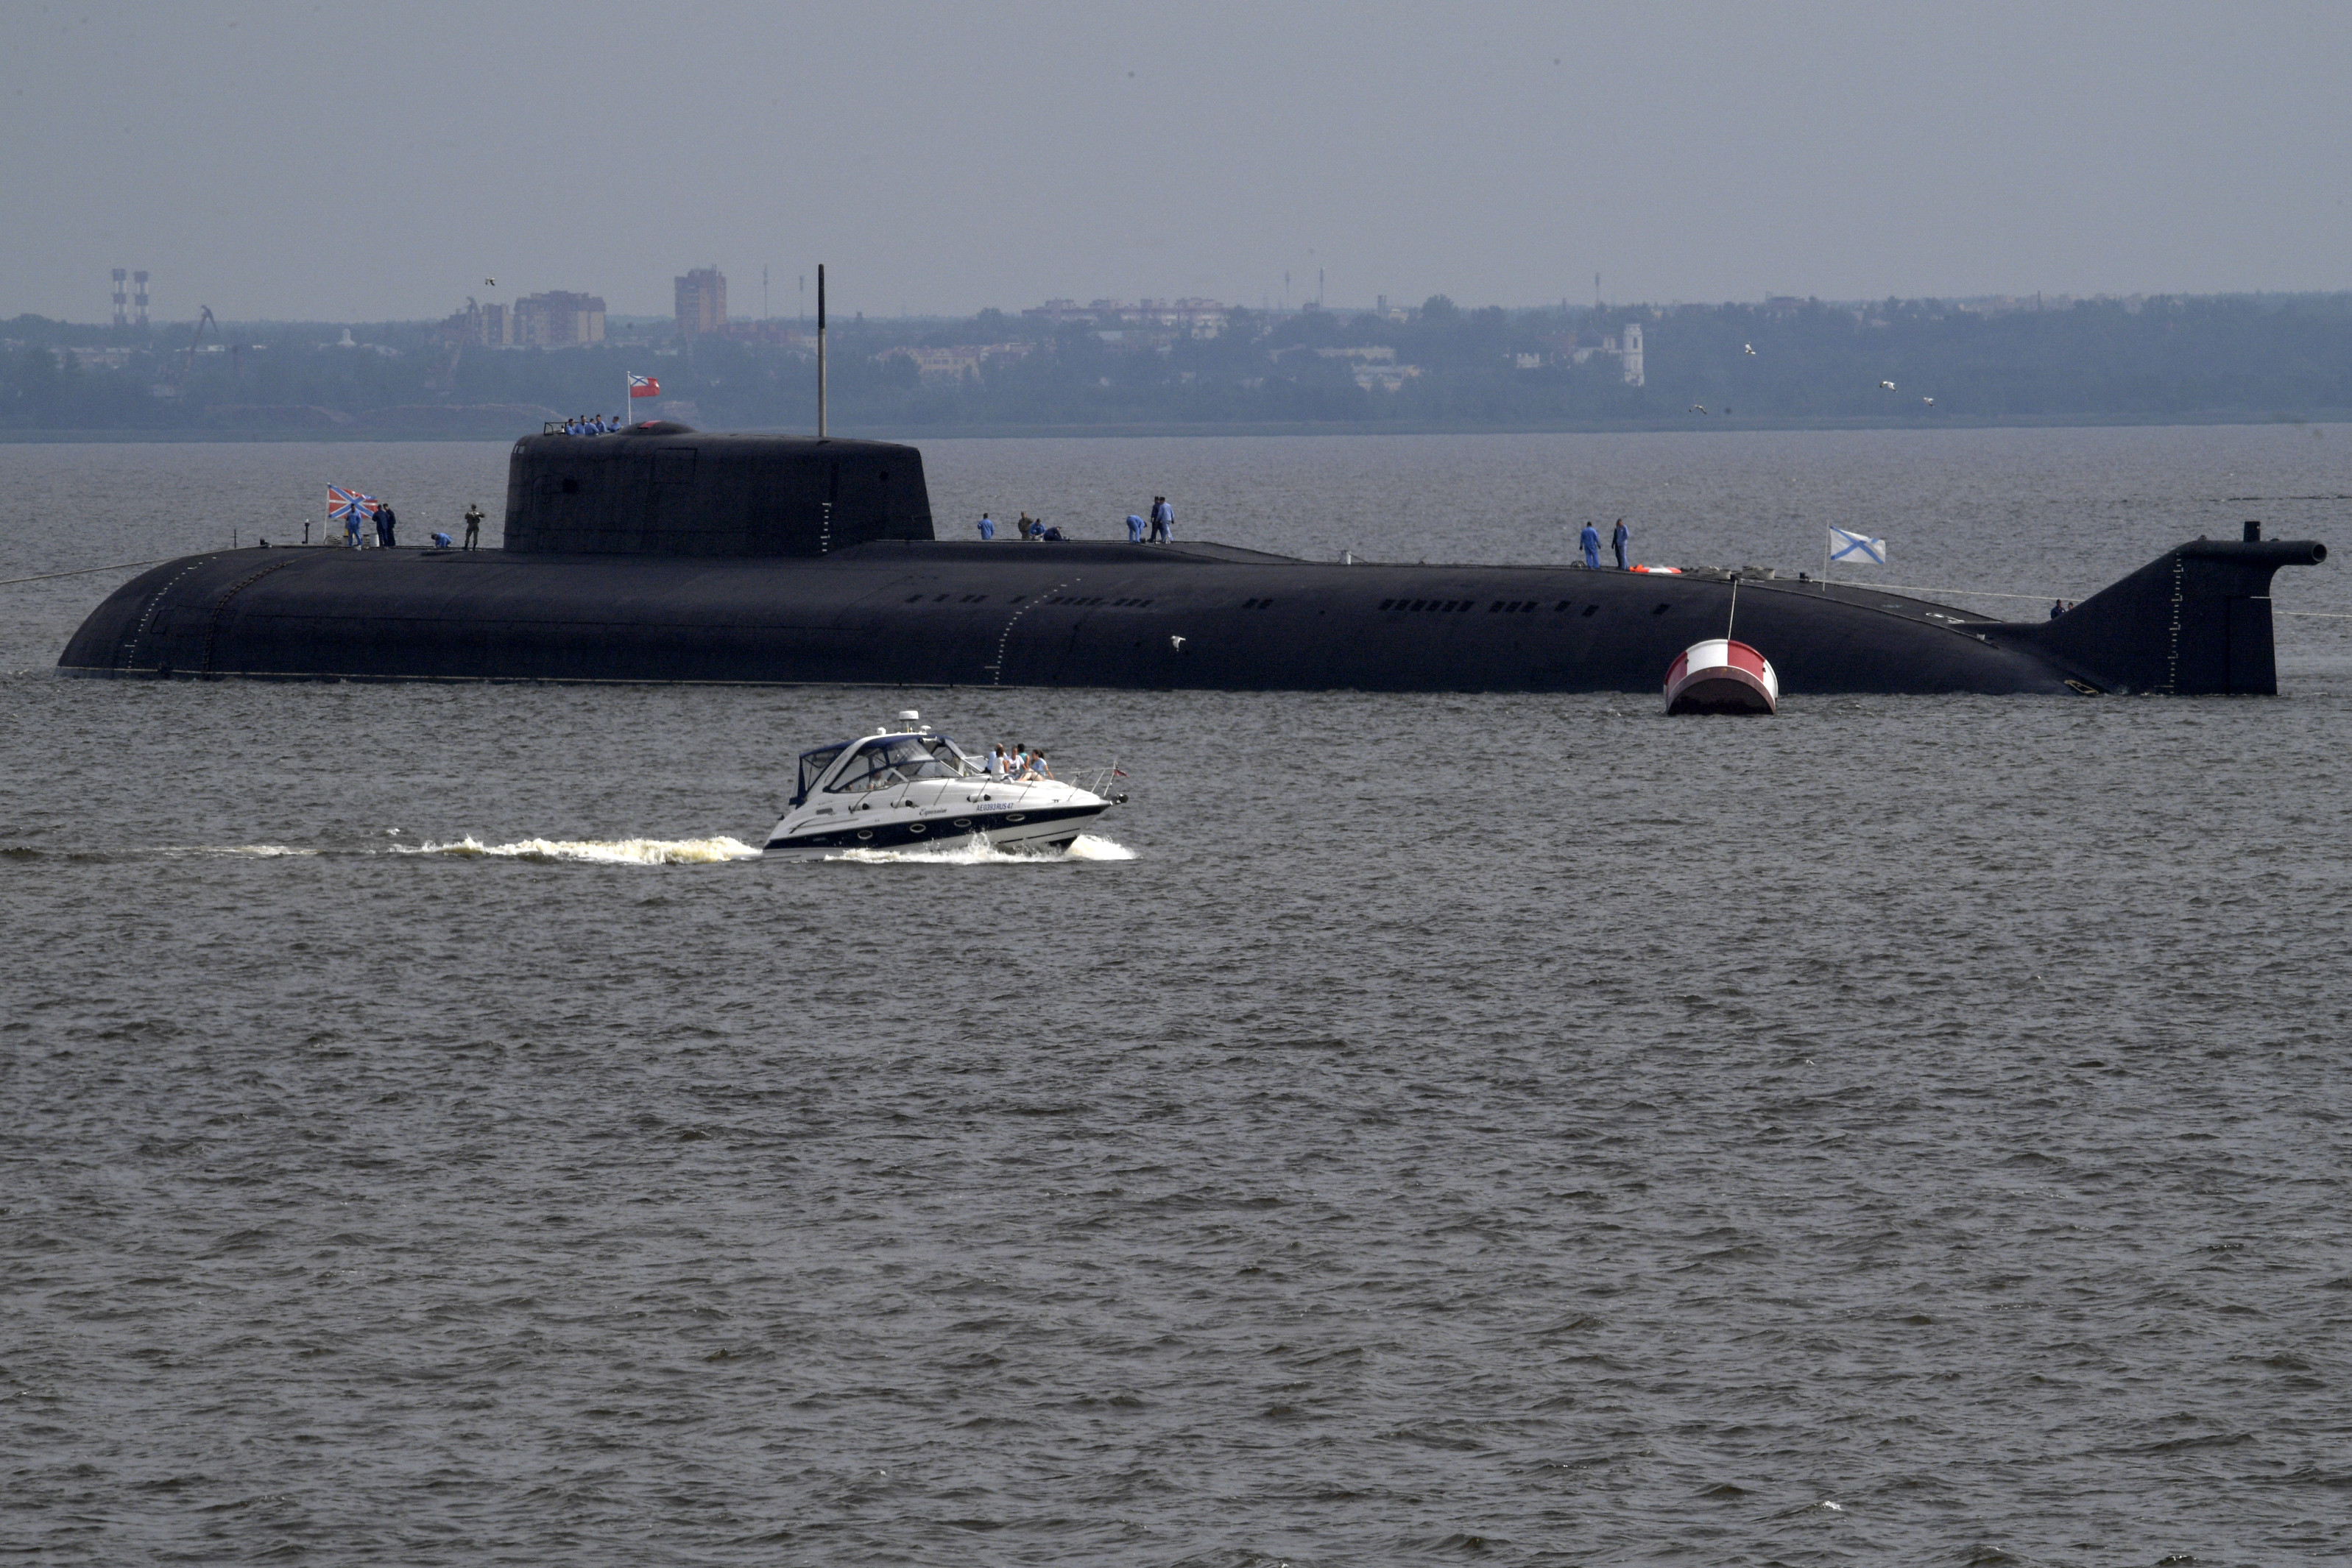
[[365, 162]]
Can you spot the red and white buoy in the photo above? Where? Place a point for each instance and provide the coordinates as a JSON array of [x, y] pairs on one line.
[[1720, 676]]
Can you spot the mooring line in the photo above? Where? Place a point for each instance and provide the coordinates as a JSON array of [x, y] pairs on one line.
[[86, 571], [1915, 588], [1986, 593]]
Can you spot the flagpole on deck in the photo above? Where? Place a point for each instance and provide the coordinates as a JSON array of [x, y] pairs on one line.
[[820, 350]]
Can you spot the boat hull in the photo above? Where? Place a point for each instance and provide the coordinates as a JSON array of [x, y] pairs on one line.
[[1015, 832], [925, 613], [1724, 677]]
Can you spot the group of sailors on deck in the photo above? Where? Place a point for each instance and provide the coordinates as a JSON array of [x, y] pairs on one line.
[[1035, 530], [593, 425]]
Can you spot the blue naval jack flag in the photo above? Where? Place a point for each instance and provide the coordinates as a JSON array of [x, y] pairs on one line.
[[1856, 549]]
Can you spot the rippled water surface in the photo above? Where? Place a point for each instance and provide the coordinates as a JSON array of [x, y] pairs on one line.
[[1494, 1128]]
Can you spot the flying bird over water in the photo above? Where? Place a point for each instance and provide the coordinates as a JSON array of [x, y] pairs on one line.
[[1886, 386], [1748, 349], [1928, 401]]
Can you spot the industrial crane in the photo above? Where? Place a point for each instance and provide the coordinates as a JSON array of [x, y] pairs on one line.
[[188, 364]]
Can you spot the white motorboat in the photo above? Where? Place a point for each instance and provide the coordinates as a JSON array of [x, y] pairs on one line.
[[911, 789]]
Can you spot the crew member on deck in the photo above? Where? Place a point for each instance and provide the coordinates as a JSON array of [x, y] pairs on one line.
[[473, 525], [2057, 608], [385, 521], [1617, 541], [987, 526], [1134, 528], [1163, 521], [1590, 542]]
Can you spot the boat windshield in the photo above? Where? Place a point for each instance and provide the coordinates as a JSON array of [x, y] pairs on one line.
[[813, 766], [880, 765]]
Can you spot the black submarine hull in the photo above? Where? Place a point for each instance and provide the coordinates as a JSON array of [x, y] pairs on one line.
[[660, 553], [929, 613]]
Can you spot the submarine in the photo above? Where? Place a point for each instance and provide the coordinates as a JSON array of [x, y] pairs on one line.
[[660, 553]]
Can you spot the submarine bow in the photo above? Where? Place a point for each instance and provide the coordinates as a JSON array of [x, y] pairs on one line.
[[664, 555]]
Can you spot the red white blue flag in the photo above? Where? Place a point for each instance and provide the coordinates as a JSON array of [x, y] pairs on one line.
[[645, 386], [343, 505]]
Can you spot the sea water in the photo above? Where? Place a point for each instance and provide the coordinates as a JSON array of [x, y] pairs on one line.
[[1522, 1128]]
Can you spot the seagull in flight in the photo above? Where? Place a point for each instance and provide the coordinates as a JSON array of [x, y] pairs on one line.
[[1886, 386], [1928, 401], [1748, 349]]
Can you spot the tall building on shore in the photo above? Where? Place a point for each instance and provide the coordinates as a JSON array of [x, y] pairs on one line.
[[486, 325], [557, 320], [701, 301]]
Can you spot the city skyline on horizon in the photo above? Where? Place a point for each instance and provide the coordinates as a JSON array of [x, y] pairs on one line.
[[1837, 150], [2014, 300]]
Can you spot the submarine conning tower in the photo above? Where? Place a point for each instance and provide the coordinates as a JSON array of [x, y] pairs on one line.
[[664, 488]]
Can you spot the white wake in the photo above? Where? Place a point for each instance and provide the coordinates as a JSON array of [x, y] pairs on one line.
[[971, 852], [594, 851], [256, 851], [691, 852]]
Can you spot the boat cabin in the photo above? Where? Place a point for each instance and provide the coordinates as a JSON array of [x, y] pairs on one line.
[[880, 762]]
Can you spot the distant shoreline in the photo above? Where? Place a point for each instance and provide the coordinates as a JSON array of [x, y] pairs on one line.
[[1698, 424]]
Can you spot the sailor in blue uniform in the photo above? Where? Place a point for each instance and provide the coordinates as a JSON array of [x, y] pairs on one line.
[[1134, 529], [1589, 540], [1617, 543], [987, 526]]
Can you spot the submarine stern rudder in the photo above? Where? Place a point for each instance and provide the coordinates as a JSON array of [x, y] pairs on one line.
[[2194, 622]]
